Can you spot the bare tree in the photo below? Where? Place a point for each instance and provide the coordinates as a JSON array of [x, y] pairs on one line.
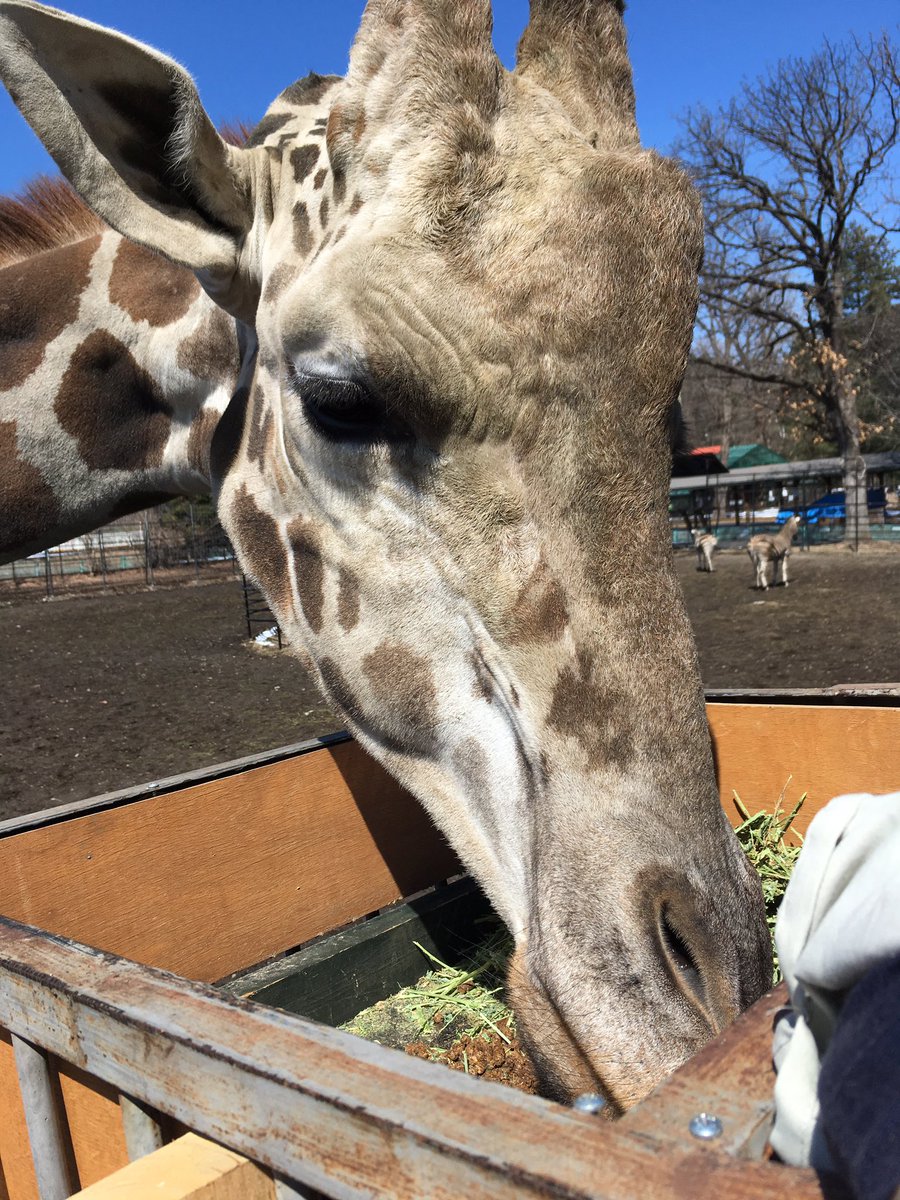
[[797, 160]]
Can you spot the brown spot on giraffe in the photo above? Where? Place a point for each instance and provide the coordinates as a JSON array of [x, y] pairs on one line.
[[226, 439], [310, 89], [303, 241], [403, 686], [359, 125], [303, 159], [309, 571], [260, 423], [203, 427], [28, 506], [335, 125], [174, 289], [594, 714], [320, 178], [211, 351], [267, 126], [540, 612], [348, 600], [262, 551], [484, 685], [27, 322], [280, 279], [112, 407], [356, 204], [323, 212]]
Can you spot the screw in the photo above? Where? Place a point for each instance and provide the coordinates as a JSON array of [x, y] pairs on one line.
[[705, 1126], [589, 1102]]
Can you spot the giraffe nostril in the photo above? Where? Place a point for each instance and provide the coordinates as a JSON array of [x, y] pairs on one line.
[[679, 957]]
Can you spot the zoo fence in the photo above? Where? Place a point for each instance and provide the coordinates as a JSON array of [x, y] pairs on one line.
[[735, 505], [179, 542]]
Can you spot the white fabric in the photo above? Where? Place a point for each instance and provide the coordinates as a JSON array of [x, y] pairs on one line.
[[839, 917]]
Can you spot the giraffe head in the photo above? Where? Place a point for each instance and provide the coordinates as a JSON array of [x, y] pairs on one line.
[[469, 295]]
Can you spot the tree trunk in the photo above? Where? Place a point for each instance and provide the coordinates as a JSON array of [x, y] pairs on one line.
[[856, 497]]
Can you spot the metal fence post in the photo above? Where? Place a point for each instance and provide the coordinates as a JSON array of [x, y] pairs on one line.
[[48, 573], [148, 569], [194, 540]]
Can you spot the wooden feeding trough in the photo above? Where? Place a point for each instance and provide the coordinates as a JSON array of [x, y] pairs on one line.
[[120, 912]]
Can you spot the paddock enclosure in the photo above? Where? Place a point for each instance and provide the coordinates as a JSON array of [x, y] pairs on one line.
[[119, 913]]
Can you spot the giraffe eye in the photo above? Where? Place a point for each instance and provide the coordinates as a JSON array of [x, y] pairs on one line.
[[345, 410]]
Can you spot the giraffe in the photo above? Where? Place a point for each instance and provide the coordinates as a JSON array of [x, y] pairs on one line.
[[465, 298], [764, 549], [109, 396], [704, 543]]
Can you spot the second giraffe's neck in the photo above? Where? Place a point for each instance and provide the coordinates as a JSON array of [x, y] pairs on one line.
[[114, 369]]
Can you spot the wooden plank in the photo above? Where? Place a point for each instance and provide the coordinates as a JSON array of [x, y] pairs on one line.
[[191, 1168], [824, 751], [334, 1113], [15, 1153], [732, 1078], [222, 875]]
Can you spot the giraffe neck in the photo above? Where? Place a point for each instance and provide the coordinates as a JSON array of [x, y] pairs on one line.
[[114, 369], [115, 365]]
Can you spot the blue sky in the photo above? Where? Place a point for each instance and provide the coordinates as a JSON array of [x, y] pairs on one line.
[[242, 55]]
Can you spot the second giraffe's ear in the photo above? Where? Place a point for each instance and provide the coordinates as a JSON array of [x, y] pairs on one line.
[[126, 127]]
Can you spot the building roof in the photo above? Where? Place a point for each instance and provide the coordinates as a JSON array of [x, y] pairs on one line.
[[782, 472]]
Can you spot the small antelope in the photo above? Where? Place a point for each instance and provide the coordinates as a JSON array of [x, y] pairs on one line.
[[776, 550], [704, 544]]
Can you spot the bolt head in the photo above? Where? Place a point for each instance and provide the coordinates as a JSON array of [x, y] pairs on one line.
[[705, 1126], [589, 1102]]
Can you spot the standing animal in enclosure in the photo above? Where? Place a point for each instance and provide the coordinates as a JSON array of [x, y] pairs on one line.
[[705, 544], [764, 549], [446, 464]]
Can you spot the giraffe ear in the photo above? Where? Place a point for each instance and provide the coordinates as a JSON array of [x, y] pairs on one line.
[[126, 127], [576, 49]]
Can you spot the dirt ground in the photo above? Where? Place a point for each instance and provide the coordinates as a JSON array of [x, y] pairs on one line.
[[100, 692]]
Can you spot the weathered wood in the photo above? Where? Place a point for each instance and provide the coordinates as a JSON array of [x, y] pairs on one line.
[[732, 1078], [329, 1111], [48, 1134], [142, 1132], [190, 1168], [824, 751], [229, 872]]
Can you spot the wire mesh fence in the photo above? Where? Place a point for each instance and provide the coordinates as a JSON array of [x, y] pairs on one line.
[[179, 542]]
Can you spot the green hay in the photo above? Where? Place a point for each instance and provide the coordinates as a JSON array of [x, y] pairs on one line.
[[762, 838], [446, 1003]]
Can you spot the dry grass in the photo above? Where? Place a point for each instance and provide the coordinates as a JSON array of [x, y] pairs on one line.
[[762, 837]]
